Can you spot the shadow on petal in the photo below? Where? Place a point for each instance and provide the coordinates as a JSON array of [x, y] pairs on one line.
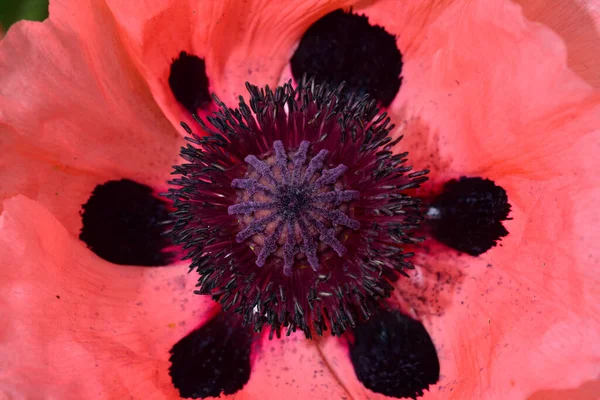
[[578, 24], [586, 391]]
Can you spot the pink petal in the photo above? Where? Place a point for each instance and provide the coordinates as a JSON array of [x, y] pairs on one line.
[[62, 190], [489, 93], [477, 95], [74, 326], [578, 24], [294, 368], [69, 92], [252, 41]]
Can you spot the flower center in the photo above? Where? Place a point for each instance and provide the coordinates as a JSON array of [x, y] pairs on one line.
[[294, 205], [292, 201], [269, 212]]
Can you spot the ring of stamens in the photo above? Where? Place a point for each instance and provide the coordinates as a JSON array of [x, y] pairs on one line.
[[211, 211], [298, 205]]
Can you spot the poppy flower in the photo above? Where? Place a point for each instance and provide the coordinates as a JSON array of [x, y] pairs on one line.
[[98, 304]]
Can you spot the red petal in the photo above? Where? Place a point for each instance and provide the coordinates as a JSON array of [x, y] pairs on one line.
[[250, 41], [294, 368], [62, 190], [70, 94], [488, 93], [74, 326]]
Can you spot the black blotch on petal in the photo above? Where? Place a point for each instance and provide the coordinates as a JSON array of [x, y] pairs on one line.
[[468, 215], [123, 222], [393, 354], [212, 359], [188, 82], [345, 47]]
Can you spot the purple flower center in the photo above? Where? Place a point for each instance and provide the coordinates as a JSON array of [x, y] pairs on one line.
[[294, 208], [294, 205]]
